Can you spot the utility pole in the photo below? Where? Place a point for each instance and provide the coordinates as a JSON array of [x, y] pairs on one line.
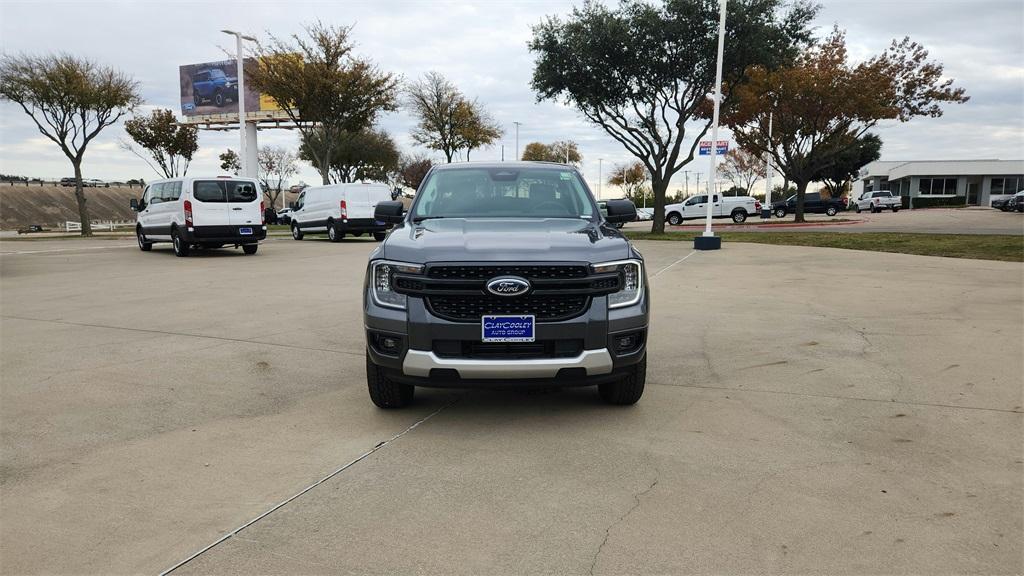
[[246, 156], [708, 241], [517, 123]]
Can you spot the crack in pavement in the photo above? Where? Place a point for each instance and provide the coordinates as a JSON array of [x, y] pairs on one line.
[[276, 507], [608, 531]]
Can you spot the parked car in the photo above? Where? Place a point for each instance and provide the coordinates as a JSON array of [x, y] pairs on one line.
[[66, 182], [1007, 203], [339, 209], [94, 183], [213, 85], [813, 204], [1016, 202], [505, 275], [31, 228], [644, 214], [284, 216], [204, 212], [736, 207], [876, 201]]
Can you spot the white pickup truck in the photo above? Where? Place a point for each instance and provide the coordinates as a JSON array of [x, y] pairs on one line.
[[877, 201], [736, 207]]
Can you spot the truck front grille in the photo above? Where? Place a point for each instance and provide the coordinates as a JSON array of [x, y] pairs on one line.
[[470, 308]]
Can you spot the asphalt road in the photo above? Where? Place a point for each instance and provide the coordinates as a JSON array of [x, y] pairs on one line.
[[930, 221], [868, 420]]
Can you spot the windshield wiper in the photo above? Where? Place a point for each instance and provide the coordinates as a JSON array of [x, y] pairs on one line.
[[419, 219]]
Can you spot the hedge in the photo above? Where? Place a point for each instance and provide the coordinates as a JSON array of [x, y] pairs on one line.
[[926, 202]]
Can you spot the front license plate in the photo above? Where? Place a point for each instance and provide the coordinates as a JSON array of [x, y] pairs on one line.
[[507, 328], [245, 231]]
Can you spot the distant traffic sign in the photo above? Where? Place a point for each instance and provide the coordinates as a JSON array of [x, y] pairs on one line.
[[705, 147]]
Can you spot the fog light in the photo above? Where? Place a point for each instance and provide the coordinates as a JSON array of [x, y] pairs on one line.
[[388, 344], [625, 343]]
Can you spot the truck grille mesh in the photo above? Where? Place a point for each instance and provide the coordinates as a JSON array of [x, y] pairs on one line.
[[470, 308]]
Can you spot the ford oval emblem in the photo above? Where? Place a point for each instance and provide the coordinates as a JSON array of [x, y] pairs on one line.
[[508, 286]]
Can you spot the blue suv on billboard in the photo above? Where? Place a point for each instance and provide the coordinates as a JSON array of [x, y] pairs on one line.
[[213, 85]]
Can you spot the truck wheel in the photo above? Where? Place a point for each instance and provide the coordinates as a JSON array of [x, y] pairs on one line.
[[384, 392], [675, 219], [856, 208], [831, 211], [144, 245], [895, 208], [296, 231], [181, 248], [250, 248], [379, 236], [629, 389], [332, 232], [739, 216], [218, 99], [780, 212], [197, 99]]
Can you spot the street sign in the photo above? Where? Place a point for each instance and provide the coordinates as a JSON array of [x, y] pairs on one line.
[[705, 147]]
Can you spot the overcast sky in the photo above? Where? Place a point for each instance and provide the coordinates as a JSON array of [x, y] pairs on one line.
[[481, 46]]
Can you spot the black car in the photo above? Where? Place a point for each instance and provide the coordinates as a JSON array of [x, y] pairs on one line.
[[813, 204]]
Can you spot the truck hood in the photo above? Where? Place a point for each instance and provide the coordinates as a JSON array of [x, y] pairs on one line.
[[513, 239]]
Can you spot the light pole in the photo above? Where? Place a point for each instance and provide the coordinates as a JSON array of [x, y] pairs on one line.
[[517, 123], [248, 169], [708, 241], [766, 210], [600, 176]]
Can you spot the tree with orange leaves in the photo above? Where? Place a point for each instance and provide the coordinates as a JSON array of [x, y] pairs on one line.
[[823, 105]]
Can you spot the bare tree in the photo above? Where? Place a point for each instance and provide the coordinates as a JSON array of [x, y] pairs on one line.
[[170, 144], [742, 168], [447, 120], [276, 165], [321, 85], [71, 100]]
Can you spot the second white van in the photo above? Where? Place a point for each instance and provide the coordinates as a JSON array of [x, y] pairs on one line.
[[339, 209]]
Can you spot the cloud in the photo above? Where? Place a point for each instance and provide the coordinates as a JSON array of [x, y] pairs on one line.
[[482, 47]]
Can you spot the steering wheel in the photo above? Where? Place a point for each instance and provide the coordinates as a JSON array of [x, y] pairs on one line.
[[560, 207]]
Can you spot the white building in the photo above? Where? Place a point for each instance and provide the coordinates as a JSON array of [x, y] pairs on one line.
[[978, 181]]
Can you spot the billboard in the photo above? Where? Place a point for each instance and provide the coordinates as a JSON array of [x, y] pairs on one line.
[[209, 91]]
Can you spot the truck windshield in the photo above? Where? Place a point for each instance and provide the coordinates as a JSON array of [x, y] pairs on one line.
[[516, 192]]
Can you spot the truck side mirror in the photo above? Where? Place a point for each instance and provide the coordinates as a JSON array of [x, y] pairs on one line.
[[134, 204], [388, 211], [621, 211]]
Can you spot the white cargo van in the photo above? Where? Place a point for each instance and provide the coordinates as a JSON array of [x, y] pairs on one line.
[[339, 209], [206, 212]]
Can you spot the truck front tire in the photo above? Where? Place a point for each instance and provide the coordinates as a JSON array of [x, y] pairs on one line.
[[675, 219], [384, 392], [628, 389]]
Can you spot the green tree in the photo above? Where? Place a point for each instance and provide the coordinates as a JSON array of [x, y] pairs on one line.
[[838, 176], [363, 155], [446, 120], [171, 145], [230, 162], [642, 71], [823, 105], [323, 86], [70, 100], [562, 151]]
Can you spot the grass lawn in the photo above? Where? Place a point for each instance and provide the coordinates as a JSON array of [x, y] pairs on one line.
[[1008, 248]]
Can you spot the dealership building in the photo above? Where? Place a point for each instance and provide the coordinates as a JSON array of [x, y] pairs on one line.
[[978, 182]]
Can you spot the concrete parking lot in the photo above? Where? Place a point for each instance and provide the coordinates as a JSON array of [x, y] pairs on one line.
[[808, 410]]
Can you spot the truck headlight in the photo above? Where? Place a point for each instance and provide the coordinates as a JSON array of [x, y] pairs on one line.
[[632, 281], [382, 277]]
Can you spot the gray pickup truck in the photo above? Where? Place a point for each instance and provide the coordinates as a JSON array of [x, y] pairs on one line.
[[505, 276]]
